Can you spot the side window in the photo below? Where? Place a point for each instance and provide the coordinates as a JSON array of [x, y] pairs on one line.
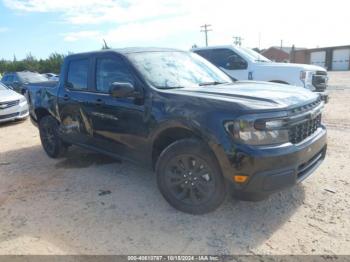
[[109, 70], [228, 59], [78, 74], [205, 54]]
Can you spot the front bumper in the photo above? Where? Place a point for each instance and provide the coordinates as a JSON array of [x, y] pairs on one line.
[[13, 113], [272, 169]]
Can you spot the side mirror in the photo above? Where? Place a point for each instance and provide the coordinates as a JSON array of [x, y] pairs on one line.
[[119, 89]]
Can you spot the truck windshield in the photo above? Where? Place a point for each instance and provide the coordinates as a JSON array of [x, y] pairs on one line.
[[255, 55], [176, 69]]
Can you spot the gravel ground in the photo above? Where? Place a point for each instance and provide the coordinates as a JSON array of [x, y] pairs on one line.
[[339, 79], [91, 204]]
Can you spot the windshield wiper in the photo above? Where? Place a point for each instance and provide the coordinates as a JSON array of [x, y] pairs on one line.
[[170, 87], [214, 83]]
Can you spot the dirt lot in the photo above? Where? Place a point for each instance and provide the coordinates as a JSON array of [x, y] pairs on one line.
[[90, 204]]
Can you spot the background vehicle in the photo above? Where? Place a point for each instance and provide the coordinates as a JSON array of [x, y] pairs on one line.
[[51, 76], [18, 80], [176, 112], [13, 106], [245, 64]]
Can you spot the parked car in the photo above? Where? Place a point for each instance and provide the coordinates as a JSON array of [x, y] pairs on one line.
[[13, 106], [51, 76], [176, 112], [18, 80], [246, 64]]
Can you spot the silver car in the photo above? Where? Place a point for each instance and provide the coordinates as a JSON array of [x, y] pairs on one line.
[[13, 106]]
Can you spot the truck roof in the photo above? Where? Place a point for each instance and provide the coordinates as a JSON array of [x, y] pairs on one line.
[[129, 50], [211, 47]]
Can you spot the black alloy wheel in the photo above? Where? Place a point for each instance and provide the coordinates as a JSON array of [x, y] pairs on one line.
[[189, 177]]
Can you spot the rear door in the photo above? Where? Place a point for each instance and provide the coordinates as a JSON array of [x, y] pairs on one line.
[[118, 123], [75, 96]]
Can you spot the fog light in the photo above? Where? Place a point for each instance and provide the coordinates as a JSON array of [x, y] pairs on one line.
[[240, 178]]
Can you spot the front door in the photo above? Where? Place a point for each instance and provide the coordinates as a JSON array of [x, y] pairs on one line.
[[119, 124]]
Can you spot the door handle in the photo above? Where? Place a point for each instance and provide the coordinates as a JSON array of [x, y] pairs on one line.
[[99, 102], [66, 97]]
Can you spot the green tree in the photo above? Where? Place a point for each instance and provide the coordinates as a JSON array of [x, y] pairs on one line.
[[52, 64]]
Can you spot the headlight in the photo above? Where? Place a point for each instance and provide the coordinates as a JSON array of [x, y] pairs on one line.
[[306, 76], [259, 132]]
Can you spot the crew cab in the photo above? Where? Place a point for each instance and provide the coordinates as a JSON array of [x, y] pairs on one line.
[[175, 112], [245, 64]]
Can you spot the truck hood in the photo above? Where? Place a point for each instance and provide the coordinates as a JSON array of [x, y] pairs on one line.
[[9, 95], [295, 66], [254, 95]]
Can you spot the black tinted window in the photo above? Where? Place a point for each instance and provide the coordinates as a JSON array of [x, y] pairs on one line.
[[226, 58], [220, 56], [109, 70], [78, 74], [204, 53]]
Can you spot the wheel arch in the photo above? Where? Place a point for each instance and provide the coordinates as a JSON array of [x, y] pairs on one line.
[[169, 135], [172, 131], [41, 112]]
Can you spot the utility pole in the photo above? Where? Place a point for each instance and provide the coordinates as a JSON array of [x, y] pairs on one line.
[[237, 40], [206, 29], [281, 44]]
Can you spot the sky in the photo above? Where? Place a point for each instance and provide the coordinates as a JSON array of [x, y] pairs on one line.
[[41, 27]]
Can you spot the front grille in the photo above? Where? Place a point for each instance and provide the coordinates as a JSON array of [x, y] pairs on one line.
[[4, 105], [8, 116], [324, 73], [319, 81], [299, 132]]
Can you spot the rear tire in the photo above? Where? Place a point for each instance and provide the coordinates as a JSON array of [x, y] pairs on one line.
[[50, 140], [190, 178]]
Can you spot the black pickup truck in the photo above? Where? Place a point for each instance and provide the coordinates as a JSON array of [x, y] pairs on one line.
[[204, 134]]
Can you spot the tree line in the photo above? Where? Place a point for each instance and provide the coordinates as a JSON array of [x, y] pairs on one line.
[[52, 64]]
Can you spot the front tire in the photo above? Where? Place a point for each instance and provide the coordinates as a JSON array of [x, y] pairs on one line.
[[50, 140], [189, 177]]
